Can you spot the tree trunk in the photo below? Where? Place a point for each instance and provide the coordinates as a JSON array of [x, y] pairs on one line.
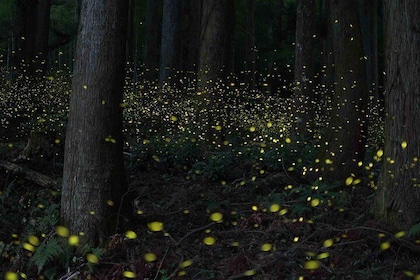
[[194, 28], [25, 38], [304, 65], [398, 195], [170, 41], [346, 135], [251, 48], [31, 57], [93, 177], [216, 62], [129, 51], [40, 64], [151, 41]]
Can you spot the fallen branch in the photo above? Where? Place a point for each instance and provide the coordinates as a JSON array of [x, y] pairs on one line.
[[28, 174]]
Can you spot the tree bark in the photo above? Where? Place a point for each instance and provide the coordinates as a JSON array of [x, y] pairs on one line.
[[151, 41], [194, 30], [216, 62], [344, 140], [304, 66], [25, 38], [170, 41], [93, 177], [398, 195], [251, 48]]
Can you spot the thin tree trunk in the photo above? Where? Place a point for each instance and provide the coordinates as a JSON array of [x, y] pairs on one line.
[[194, 31], [251, 51], [130, 39], [151, 41], [304, 65], [93, 178], [170, 41]]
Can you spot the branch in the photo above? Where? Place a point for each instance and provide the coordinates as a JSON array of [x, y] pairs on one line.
[[30, 175]]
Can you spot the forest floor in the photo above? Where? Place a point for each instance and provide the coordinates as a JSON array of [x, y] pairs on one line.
[[189, 226], [242, 210]]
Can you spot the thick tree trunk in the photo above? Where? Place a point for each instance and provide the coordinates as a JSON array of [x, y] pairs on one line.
[[151, 41], [304, 65], [170, 41], [345, 137], [398, 197], [94, 176]]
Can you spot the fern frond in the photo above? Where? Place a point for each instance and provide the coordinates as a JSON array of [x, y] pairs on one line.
[[45, 253]]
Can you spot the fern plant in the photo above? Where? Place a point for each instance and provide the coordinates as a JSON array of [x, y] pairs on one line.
[[46, 253]]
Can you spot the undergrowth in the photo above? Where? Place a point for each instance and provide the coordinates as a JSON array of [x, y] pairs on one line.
[[236, 207]]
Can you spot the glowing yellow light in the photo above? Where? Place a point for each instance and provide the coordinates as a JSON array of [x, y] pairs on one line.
[[314, 202], [379, 153], [266, 247], [209, 240], [185, 264], [130, 234], [149, 257], [313, 264], [399, 234], [249, 272], [129, 274], [155, 226], [252, 129], [283, 212], [29, 247], [349, 180], [92, 258], [323, 256], [385, 245], [328, 243], [216, 217], [33, 240], [10, 275], [288, 140], [73, 240], [110, 202], [404, 144], [274, 207]]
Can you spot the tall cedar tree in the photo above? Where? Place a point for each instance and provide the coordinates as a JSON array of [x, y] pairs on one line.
[[398, 197], [152, 40], [94, 179], [304, 65], [344, 140], [251, 49], [216, 61], [170, 41], [30, 57]]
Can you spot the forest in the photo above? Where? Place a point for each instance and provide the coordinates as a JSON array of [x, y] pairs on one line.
[[209, 139]]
